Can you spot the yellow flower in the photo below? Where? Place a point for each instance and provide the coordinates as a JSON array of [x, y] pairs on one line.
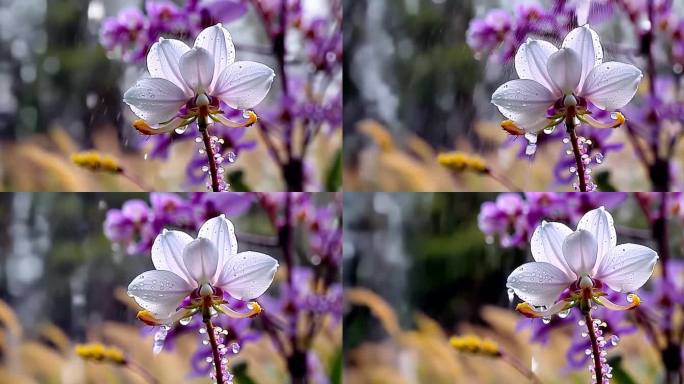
[[460, 161], [476, 345], [95, 161], [101, 353]]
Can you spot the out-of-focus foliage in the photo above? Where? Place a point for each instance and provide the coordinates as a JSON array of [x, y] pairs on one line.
[[422, 354]]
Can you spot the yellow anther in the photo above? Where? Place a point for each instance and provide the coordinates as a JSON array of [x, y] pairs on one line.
[[95, 161], [250, 117], [633, 300], [460, 161], [148, 318], [253, 306], [101, 353], [617, 117], [475, 344], [510, 127], [141, 126]]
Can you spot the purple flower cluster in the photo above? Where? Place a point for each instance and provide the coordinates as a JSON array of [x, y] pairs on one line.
[[311, 97], [307, 300], [137, 223], [131, 33], [513, 217]]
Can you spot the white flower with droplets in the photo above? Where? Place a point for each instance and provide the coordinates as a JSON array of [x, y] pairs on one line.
[[200, 269], [185, 80], [555, 83], [583, 261]]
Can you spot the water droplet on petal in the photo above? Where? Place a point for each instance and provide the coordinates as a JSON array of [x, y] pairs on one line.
[[564, 314], [185, 321], [511, 295]]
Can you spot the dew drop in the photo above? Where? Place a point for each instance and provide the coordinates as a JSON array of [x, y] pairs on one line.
[[181, 130], [185, 321], [599, 158], [564, 314], [614, 340], [546, 320], [511, 295], [231, 157], [235, 347]]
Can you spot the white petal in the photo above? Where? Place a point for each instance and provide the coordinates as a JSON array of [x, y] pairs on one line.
[[585, 42], [163, 61], [218, 42], [565, 69], [612, 85], [531, 60], [579, 249], [221, 233], [159, 292], [244, 84], [167, 253], [547, 246], [201, 260], [599, 223], [155, 100], [248, 275], [523, 101], [538, 283], [628, 267], [197, 68]]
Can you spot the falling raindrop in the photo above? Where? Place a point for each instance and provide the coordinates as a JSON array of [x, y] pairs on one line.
[[159, 339]]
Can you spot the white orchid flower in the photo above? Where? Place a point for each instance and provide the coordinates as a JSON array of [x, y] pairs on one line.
[[582, 261], [556, 84], [200, 269], [188, 82]]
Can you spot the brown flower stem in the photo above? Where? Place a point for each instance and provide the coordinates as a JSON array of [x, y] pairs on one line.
[[570, 126], [135, 181], [214, 347], [515, 363], [204, 130], [141, 371], [502, 180], [594, 347]]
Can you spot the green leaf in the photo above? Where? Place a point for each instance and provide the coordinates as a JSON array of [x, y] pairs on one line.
[[620, 376], [336, 369], [237, 182], [334, 179], [602, 180], [240, 373]]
